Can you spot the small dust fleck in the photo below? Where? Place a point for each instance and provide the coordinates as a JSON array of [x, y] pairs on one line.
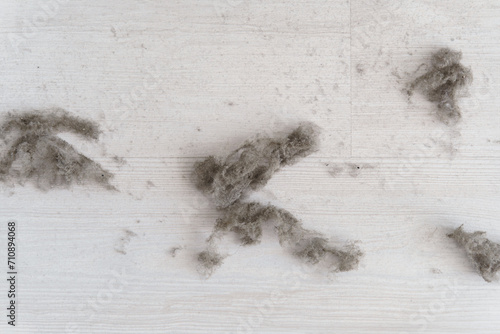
[[335, 170], [436, 271], [360, 69], [174, 250]]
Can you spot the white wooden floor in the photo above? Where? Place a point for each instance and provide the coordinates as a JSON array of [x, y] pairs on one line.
[[174, 81]]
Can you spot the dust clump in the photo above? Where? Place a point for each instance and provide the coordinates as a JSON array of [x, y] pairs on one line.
[[355, 169], [360, 69], [252, 165], [446, 78], [249, 168], [483, 253], [436, 271], [34, 152]]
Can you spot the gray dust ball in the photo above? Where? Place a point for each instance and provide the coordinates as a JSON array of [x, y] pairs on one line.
[[442, 83], [35, 153], [249, 168], [252, 165], [483, 253]]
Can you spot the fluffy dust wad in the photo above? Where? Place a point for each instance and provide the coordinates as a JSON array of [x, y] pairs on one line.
[[252, 165], [247, 220], [483, 253], [34, 152], [443, 82], [249, 168]]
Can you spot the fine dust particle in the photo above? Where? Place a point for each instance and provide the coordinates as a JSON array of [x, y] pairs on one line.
[[356, 169], [335, 170], [34, 153], [353, 169], [436, 271], [124, 241], [360, 69], [483, 253], [249, 168], [395, 73], [119, 160], [150, 184], [252, 165], [443, 82], [174, 250]]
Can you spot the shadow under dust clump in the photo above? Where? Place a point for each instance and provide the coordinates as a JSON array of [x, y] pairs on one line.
[[35, 153], [483, 253], [249, 168], [442, 83]]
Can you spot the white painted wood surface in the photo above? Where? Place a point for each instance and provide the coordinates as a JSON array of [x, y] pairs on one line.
[[174, 81]]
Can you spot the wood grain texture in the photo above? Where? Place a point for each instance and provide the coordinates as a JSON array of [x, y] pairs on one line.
[[172, 82]]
